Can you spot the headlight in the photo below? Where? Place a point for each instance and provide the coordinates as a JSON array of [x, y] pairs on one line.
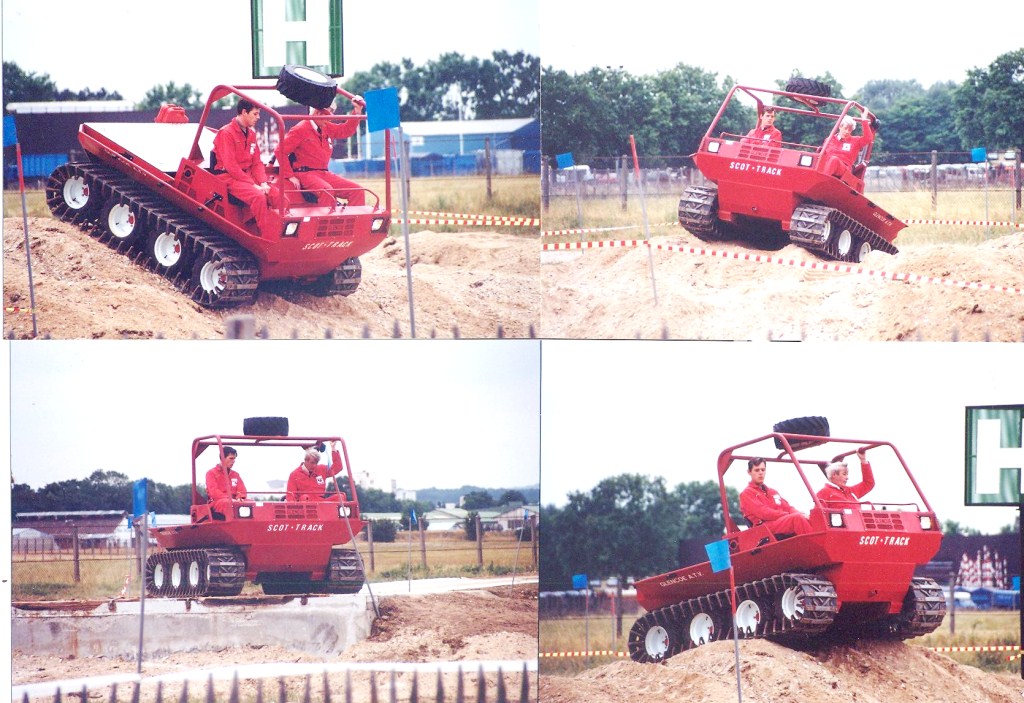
[[926, 522], [344, 511], [713, 147], [377, 224], [245, 511], [806, 159], [290, 229], [836, 520]]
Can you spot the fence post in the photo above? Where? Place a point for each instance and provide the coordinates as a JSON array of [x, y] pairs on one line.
[[487, 167], [621, 173], [78, 565], [534, 538], [935, 180], [1016, 182], [369, 540], [479, 542], [423, 545], [545, 184]]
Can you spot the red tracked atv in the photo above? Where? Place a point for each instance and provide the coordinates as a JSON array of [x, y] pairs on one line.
[[149, 191], [289, 547], [853, 576], [771, 193]]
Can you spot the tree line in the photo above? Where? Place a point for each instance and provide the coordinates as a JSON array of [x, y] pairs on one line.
[[451, 87], [593, 114]]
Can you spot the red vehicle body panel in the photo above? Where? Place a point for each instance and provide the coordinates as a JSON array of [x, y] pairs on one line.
[[769, 182], [280, 536], [870, 559], [325, 237]]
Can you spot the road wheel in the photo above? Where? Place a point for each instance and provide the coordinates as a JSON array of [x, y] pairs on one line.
[[265, 426], [843, 243], [168, 250], [343, 280], [814, 425], [791, 605], [860, 251], [69, 195], [194, 574], [703, 629], [751, 618], [176, 577], [650, 642], [307, 86], [121, 221]]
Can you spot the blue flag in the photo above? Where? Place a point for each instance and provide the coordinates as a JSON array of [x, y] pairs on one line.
[[579, 582], [139, 498], [381, 109], [718, 553], [10, 133], [414, 516], [979, 154], [564, 160]]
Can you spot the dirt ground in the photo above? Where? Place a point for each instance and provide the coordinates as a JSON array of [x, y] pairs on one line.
[[484, 625], [475, 284], [607, 293], [877, 672]]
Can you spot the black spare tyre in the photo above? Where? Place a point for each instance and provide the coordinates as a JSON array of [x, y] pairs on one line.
[[307, 86], [265, 426], [808, 86], [814, 425]]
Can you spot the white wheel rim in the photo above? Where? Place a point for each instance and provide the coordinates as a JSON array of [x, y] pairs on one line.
[[167, 249], [76, 192], [826, 232], [211, 277], [176, 575], [792, 603], [865, 249], [158, 577], [656, 641], [121, 221], [309, 74], [193, 573], [748, 617], [845, 242], [702, 628]]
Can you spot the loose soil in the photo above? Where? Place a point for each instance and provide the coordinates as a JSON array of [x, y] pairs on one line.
[[607, 293], [485, 625], [870, 672], [467, 284]]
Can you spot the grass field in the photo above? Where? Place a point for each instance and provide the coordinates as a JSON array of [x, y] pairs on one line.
[[447, 555], [511, 196], [663, 210], [973, 628]]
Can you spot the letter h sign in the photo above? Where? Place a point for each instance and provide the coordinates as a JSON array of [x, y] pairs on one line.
[[297, 33], [994, 455]]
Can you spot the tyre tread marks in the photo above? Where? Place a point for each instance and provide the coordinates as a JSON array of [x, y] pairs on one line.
[[698, 214], [820, 606], [199, 240]]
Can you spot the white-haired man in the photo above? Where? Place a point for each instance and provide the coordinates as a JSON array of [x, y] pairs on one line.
[[840, 152], [838, 475]]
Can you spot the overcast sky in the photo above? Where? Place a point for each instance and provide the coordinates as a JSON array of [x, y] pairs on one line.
[[759, 42], [440, 414], [130, 46], [667, 409]]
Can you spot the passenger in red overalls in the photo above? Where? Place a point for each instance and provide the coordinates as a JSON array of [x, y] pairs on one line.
[[838, 475], [761, 504], [841, 149], [224, 484], [238, 159], [765, 133], [309, 480], [305, 151]]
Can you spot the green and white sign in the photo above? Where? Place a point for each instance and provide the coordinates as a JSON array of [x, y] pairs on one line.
[[995, 455], [296, 32]]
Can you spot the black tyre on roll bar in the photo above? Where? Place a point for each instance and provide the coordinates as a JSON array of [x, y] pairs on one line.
[[808, 86], [812, 425], [265, 426], [307, 86]]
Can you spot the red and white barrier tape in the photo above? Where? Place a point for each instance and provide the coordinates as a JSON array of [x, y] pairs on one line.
[[977, 223], [17, 311], [561, 232], [796, 263], [980, 648], [584, 653], [447, 218], [613, 653]]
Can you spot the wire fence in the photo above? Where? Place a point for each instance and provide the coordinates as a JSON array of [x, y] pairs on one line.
[[458, 682]]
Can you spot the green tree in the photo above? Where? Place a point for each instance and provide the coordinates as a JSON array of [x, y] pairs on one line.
[[374, 500], [511, 496], [469, 525], [951, 527], [384, 530], [916, 123], [20, 86], [170, 94], [990, 104], [881, 95], [477, 500]]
